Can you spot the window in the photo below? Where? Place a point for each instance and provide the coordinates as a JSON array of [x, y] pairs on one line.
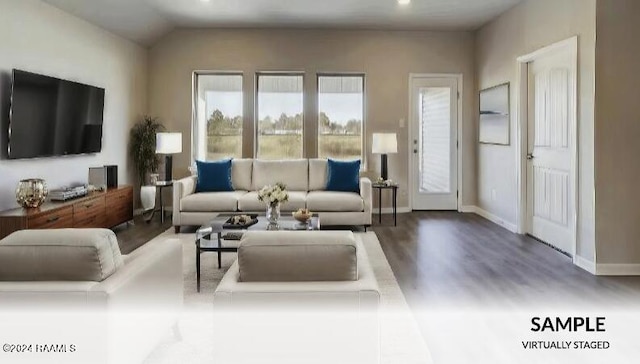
[[340, 116], [280, 116], [435, 140], [218, 119]]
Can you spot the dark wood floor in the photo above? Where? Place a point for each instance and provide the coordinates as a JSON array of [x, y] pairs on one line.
[[135, 234], [448, 258]]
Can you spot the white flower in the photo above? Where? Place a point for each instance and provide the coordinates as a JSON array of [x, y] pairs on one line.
[[273, 194]]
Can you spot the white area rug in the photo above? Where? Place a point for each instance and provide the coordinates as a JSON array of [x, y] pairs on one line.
[[401, 341]]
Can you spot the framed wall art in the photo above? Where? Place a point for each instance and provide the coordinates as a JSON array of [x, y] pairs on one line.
[[494, 115]]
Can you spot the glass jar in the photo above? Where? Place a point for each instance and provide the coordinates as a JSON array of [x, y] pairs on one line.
[[31, 193]]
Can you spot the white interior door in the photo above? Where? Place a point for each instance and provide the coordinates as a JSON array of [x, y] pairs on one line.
[[434, 123], [551, 128]]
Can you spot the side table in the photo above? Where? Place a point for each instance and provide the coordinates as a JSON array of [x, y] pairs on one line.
[[160, 185], [394, 190]]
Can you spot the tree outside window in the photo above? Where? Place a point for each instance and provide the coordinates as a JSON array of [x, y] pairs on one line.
[[219, 119], [280, 116], [341, 116]]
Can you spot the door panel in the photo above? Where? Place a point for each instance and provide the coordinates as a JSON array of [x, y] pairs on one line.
[[550, 201], [434, 123]]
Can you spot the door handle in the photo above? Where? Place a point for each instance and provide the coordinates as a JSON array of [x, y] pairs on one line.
[[530, 156]]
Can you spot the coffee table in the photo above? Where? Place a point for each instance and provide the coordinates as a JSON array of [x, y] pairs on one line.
[[210, 237]]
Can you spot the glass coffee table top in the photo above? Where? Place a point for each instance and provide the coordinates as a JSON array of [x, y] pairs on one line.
[[209, 233]]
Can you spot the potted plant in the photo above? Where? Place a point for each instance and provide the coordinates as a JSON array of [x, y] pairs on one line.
[[145, 159]]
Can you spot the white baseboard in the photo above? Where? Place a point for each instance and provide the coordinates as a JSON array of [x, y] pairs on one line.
[[468, 209], [618, 269], [389, 210], [585, 264], [491, 217], [607, 269]]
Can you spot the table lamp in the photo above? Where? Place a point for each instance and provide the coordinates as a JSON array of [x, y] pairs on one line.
[[383, 144], [168, 144]]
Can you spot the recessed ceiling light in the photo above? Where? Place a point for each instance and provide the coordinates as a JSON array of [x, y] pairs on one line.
[[204, 1], [404, 2]]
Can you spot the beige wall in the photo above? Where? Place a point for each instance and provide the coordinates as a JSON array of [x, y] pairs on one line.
[[39, 38], [527, 27], [617, 130], [387, 58]]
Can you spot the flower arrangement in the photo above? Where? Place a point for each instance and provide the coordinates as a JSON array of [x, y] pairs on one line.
[[274, 195]]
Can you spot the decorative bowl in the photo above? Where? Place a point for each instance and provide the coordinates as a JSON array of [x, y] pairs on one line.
[[31, 193], [302, 215]]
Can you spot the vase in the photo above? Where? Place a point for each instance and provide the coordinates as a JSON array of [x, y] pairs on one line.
[[148, 197], [153, 178], [31, 193], [273, 215]]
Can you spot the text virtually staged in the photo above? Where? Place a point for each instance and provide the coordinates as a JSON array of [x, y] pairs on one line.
[[357, 182]]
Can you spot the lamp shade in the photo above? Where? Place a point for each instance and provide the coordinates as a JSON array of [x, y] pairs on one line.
[[168, 143], [384, 143]]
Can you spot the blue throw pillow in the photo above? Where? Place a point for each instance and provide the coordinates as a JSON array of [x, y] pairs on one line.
[[343, 176], [214, 176]]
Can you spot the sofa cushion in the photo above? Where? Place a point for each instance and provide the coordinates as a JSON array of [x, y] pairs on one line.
[[290, 256], [249, 202], [343, 176], [211, 201], [331, 201], [293, 173], [214, 176], [59, 255], [297, 200], [317, 174], [241, 174]]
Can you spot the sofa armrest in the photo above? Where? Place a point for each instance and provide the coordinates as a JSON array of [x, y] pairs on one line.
[[181, 189], [151, 279], [366, 193]]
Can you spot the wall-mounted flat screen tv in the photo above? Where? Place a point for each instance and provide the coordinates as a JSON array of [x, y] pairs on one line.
[[53, 117]]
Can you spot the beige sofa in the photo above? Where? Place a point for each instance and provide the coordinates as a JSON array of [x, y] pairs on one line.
[[294, 294], [305, 179], [74, 286]]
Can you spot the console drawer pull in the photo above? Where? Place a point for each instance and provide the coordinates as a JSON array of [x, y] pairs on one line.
[[52, 219], [88, 205]]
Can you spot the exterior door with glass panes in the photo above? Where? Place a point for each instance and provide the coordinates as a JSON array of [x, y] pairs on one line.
[[434, 120]]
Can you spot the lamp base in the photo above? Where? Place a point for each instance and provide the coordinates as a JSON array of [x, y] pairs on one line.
[[168, 167], [384, 172]]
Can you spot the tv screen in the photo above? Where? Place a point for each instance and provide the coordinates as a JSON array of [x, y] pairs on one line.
[[53, 117]]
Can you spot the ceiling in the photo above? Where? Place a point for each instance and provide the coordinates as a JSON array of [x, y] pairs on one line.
[[145, 21]]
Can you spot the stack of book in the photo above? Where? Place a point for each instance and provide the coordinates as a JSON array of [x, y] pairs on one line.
[[68, 193]]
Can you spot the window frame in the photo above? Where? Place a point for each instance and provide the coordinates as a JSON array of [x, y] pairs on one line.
[[194, 103], [256, 108], [363, 139]]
